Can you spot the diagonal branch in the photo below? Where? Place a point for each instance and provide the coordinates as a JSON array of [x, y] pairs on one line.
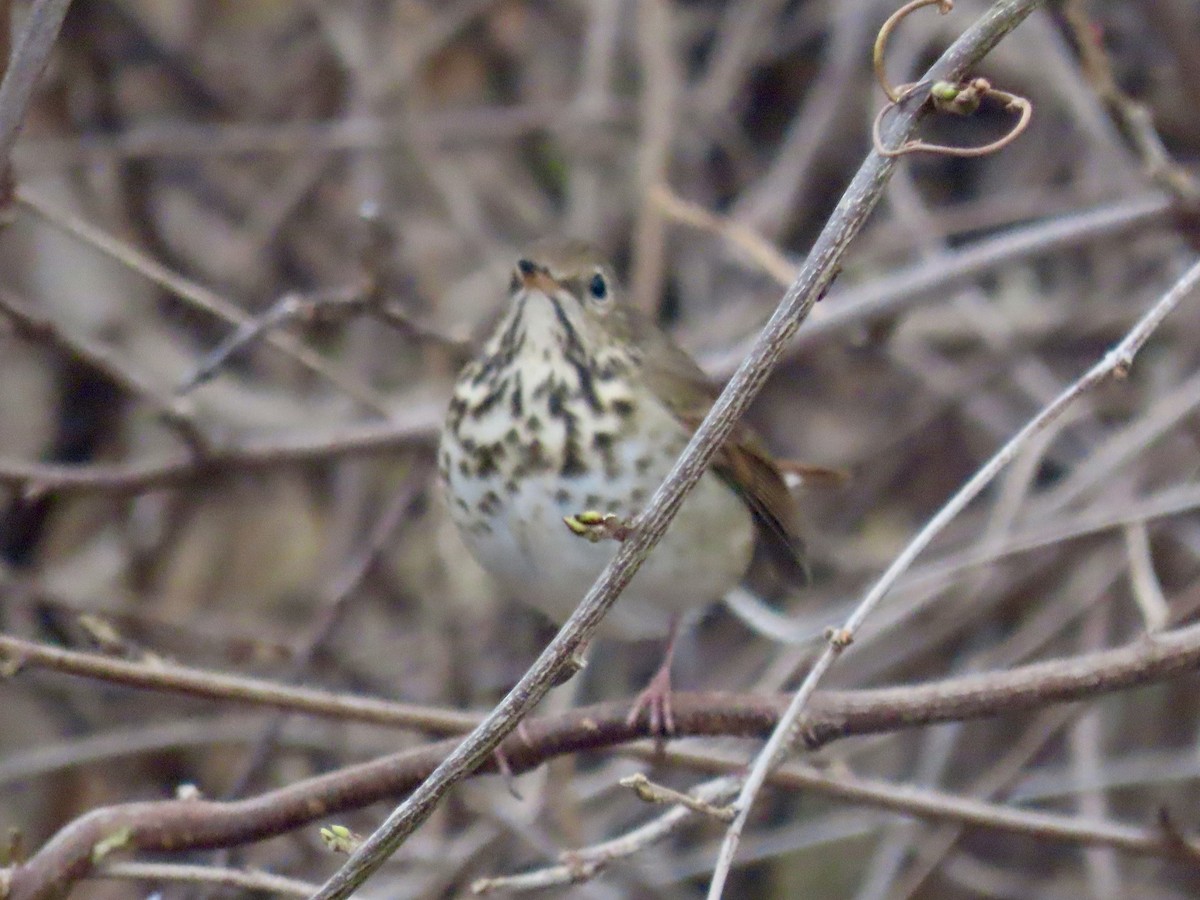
[[811, 283], [1116, 363], [179, 825], [29, 58]]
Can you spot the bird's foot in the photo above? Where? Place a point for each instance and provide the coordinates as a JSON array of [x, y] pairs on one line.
[[597, 526], [655, 699]]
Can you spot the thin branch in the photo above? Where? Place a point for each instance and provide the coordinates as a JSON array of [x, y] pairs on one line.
[[126, 743], [25, 66], [1134, 117], [367, 294], [661, 81], [177, 825], [584, 864], [1115, 363], [174, 411], [177, 873], [811, 283], [416, 425], [940, 806], [200, 297], [17, 654], [651, 792], [922, 281], [1001, 19], [753, 245], [1147, 591]]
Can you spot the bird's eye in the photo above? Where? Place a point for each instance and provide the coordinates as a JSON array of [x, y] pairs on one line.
[[598, 287]]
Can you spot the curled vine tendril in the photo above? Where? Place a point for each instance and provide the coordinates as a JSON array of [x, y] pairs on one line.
[[962, 98]]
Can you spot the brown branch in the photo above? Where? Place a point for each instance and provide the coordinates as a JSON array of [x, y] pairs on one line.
[[812, 281], [1134, 118], [31, 324], [178, 825], [17, 654], [916, 802], [198, 296], [256, 882], [334, 602], [921, 282], [416, 424], [24, 68], [939, 805]]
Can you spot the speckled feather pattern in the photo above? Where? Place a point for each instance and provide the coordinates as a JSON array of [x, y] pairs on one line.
[[552, 419]]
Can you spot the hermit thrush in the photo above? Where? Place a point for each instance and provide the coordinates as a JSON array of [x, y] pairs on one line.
[[573, 413]]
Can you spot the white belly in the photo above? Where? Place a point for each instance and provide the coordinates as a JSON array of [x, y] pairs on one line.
[[526, 546], [602, 446], [536, 557]]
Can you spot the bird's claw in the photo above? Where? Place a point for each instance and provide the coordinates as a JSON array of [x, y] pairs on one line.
[[656, 701], [597, 526]]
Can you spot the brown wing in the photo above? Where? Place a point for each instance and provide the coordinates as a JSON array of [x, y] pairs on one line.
[[751, 472], [743, 462]]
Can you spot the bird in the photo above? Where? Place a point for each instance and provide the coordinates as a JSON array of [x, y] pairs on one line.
[[561, 428]]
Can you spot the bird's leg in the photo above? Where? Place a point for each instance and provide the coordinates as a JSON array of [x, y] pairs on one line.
[[500, 758], [655, 698], [597, 526]]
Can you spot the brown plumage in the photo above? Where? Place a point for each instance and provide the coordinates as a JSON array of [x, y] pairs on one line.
[[675, 378]]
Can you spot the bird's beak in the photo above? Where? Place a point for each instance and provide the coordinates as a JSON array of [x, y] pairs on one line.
[[534, 277], [541, 282]]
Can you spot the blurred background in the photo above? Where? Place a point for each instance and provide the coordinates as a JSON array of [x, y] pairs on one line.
[[400, 153]]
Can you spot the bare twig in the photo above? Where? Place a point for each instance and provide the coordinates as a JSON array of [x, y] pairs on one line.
[[661, 83], [998, 22], [1134, 117], [198, 296], [29, 56], [938, 805], [585, 864], [415, 426], [811, 283], [18, 653], [202, 824], [174, 411], [1115, 363], [907, 286], [285, 310], [758, 249], [177, 873], [650, 792], [1147, 592]]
